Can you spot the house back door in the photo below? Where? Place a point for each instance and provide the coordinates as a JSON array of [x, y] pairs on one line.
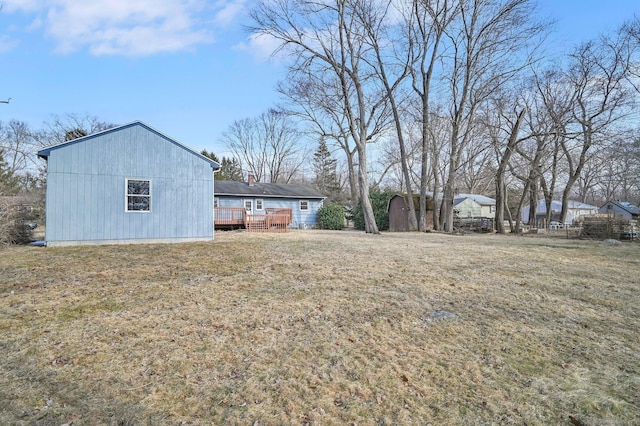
[[248, 206]]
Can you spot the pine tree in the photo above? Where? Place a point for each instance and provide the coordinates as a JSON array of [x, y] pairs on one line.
[[230, 170], [229, 167], [210, 155], [326, 177]]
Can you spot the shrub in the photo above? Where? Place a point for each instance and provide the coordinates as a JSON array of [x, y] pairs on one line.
[[13, 218], [380, 203], [331, 216]]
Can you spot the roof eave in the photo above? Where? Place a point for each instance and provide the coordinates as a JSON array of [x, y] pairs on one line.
[[226, 194]]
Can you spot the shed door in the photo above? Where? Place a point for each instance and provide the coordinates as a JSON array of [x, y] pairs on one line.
[[248, 206]]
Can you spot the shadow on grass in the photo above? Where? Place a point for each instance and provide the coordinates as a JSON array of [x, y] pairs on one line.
[[61, 401]]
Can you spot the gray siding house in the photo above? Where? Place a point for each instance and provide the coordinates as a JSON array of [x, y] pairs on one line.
[[257, 197], [621, 210], [129, 184]]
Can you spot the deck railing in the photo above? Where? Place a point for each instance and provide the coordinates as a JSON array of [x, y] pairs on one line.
[[281, 211], [272, 220], [233, 216]]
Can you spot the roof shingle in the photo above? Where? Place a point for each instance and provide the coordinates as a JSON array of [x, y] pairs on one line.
[[259, 189]]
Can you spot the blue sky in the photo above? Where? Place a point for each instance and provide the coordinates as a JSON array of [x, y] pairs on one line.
[[185, 67]]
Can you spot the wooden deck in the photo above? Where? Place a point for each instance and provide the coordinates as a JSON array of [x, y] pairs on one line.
[[272, 220], [229, 216]]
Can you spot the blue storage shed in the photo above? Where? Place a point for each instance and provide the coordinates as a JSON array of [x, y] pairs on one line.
[[129, 184]]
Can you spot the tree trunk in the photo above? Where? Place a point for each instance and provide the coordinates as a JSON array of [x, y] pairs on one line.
[[501, 192], [371, 227]]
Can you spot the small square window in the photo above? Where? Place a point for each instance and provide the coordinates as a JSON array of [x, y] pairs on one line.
[[215, 201], [259, 205], [138, 197], [304, 205]]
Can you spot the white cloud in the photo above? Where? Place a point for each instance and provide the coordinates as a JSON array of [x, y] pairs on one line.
[[9, 6], [128, 27], [229, 11], [262, 47]]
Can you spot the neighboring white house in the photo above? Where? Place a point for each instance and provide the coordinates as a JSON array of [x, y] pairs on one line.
[[467, 207], [575, 209], [472, 205], [475, 205]]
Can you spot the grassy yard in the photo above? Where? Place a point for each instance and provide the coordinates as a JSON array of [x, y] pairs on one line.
[[322, 328]]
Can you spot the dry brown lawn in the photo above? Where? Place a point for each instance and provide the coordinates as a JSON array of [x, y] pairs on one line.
[[323, 328]]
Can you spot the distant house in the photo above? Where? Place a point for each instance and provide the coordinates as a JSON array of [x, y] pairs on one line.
[[575, 209], [621, 210], [474, 205], [129, 184], [259, 198]]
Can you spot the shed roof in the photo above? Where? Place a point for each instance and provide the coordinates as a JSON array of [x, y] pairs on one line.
[[44, 153], [267, 190]]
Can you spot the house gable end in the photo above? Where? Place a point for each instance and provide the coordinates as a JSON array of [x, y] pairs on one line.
[[46, 152]]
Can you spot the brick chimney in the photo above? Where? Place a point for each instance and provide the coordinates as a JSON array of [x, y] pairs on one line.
[[251, 179]]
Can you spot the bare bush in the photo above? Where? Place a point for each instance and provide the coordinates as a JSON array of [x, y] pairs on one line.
[[14, 222]]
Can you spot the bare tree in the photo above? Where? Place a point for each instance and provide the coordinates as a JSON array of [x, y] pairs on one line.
[[319, 103], [268, 146], [326, 38], [505, 137], [618, 176], [68, 127], [19, 146], [602, 97], [428, 22], [476, 173], [392, 65], [490, 43], [630, 31]]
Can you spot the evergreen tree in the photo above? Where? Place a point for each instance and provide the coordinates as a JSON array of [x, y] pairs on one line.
[[230, 170], [9, 182], [326, 178], [380, 203], [229, 167], [210, 155]]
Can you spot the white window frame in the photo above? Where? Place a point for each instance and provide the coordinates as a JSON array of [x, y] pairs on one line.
[[259, 204], [305, 202], [216, 201], [127, 195]]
